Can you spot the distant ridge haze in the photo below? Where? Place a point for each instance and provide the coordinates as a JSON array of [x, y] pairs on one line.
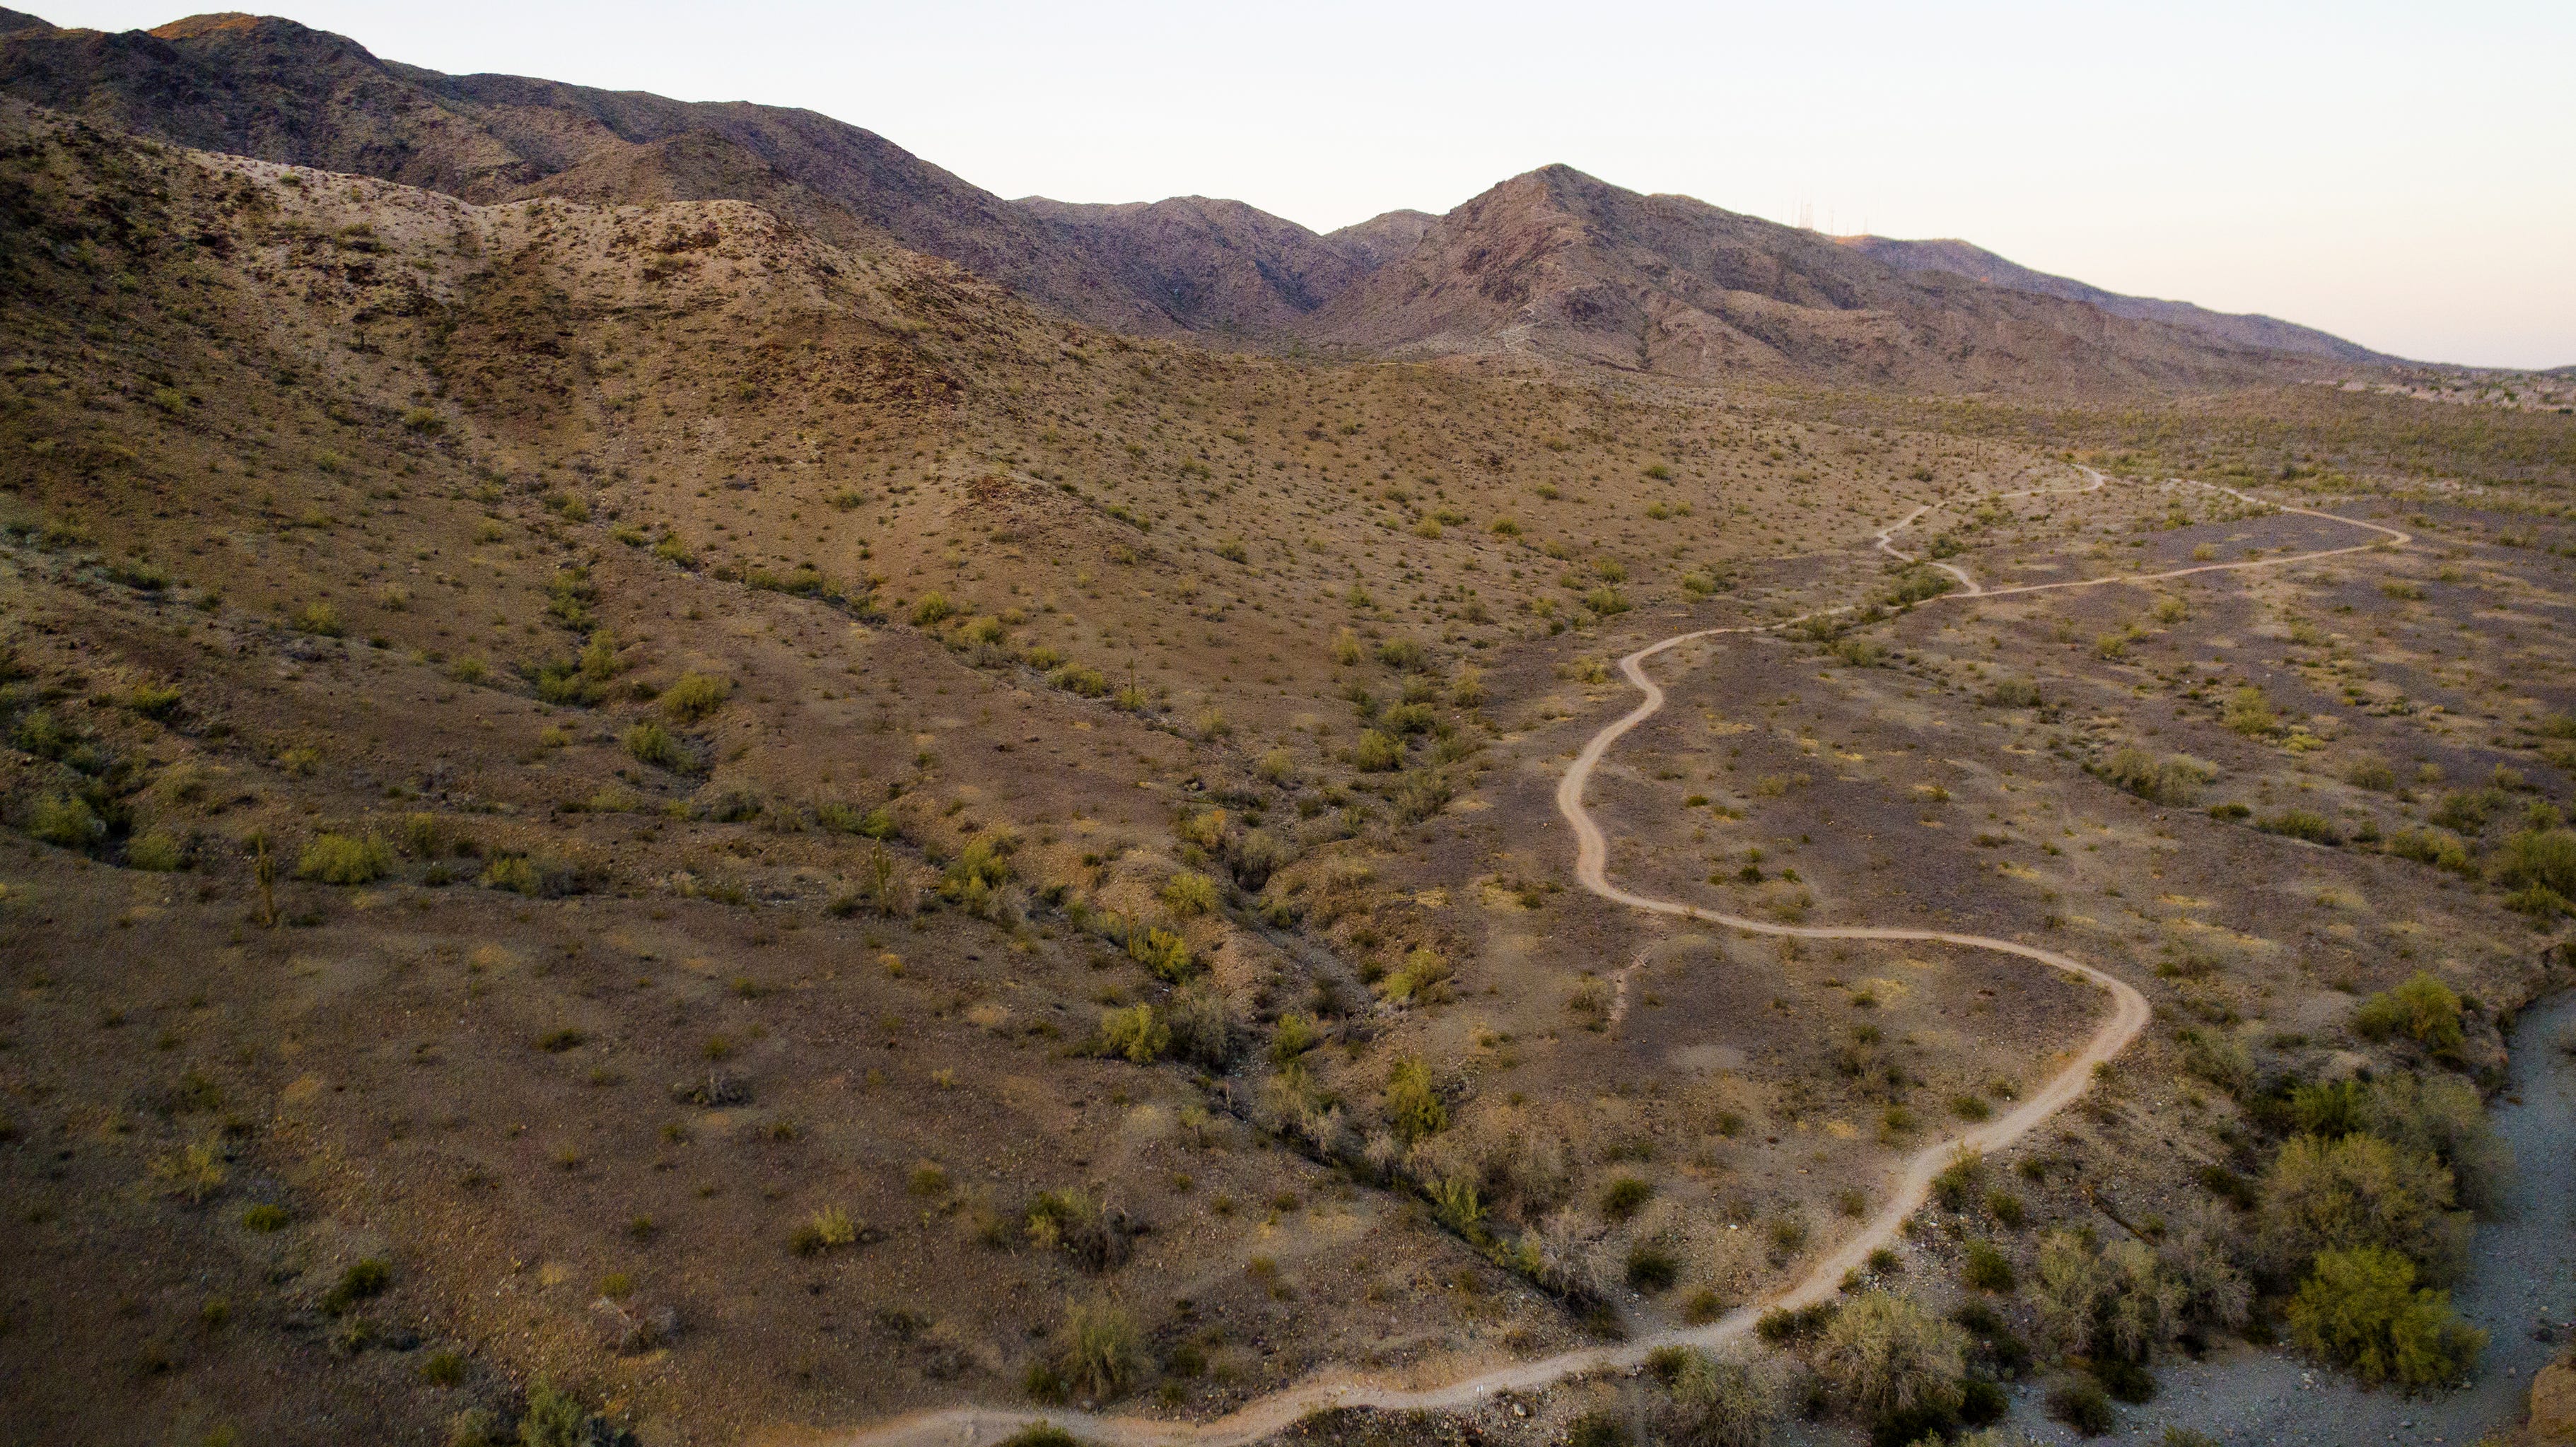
[[1551, 264]]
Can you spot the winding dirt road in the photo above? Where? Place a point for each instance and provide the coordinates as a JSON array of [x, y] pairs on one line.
[[972, 1426]]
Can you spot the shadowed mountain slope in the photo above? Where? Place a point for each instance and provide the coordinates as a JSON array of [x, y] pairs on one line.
[[1960, 258], [1561, 264]]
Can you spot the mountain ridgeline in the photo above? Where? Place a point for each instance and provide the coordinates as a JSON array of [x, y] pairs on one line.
[[1550, 267]]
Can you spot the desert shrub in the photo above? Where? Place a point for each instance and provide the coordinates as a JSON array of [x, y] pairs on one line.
[[2539, 860], [320, 619], [365, 1279], [1075, 1223], [1599, 1429], [2437, 847], [340, 859], [516, 873], [1377, 751], [2423, 1009], [1421, 794], [693, 696], [2117, 1303], [2361, 1310], [1914, 585], [650, 743], [2322, 1195], [1783, 1326], [1624, 1197], [1135, 1034], [1652, 1267], [2200, 1258], [1255, 855], [1987, 1269], [1717, 1404], [1103, 1350], [931, 609], [155, 853], [1404, 655], [1203, 1026], [153, 700], [2249, 713], [65, 820], [1413, 1104], [1422, 976], [1886, 1357], [2083, 1406], [1078, 679], [2443, 1117], [1189, 893], [2218, 1057], [2372, 774], [193, 1173], [826, 1230], [265, 1218], [2468, 810], [2305, 824], [554, 1419], [2176, 780], [1956, 1185], [1162, 951], [1993, 1345], [2013, 693]]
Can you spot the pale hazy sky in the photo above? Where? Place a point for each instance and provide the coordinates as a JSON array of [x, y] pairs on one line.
[[2401, 174]]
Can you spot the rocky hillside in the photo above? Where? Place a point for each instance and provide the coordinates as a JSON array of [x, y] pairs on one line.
[[1553, 263], [1557, 263], [1215, 266], [1960, 258], [278, 91]]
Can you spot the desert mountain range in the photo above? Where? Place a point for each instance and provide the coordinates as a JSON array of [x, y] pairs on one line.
[[1550, 265]]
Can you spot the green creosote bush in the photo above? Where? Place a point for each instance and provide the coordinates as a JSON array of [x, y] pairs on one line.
[[155, 853], [554, 1419], [693, 696], [650, 743], [1189, 893], [1135, 1034], [1714, 1403], [1987, 1269], [1652, 1268], [2423, 1009], [2361, 1310], [1103, 1350], [2177, 780], [2540, 866], [2305, 824], [1888, 1359], [340, 859], [2012, 693], [2358, 1190], [2082, 1405], [827, 1229], [1624, 1197], [65, 820], [365, 1279], [1413, 1104]]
